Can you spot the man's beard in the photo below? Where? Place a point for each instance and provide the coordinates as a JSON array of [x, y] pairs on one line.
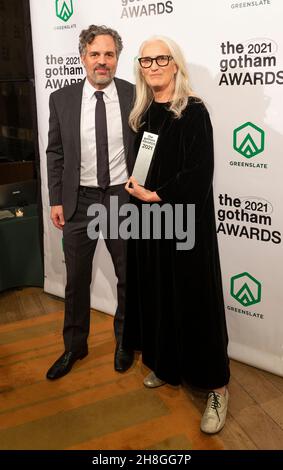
[[103, 80]]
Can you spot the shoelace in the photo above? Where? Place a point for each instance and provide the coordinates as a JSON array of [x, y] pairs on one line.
[[66, 357], [215, 402]]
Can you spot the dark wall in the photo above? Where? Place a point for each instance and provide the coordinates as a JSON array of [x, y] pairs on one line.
[[19, 154], [18, 123]]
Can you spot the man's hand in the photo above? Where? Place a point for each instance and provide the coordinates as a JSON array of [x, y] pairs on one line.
[[139, 192], [57, 216]]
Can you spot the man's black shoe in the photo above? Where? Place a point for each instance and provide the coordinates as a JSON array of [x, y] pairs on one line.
[[123, 359], [64, 364]]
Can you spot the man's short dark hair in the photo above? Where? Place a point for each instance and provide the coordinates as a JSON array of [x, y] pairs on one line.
[[88, 35]]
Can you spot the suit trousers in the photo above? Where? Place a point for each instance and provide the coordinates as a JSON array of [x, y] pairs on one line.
[[79, 250]]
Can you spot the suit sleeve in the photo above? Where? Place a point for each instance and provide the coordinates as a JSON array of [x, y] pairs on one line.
[[55, 156], [193, 182]]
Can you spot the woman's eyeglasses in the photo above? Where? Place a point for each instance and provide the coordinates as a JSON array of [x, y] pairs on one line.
[[161, 60]]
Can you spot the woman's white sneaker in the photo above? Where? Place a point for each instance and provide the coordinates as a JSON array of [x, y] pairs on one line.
[[214, 416]]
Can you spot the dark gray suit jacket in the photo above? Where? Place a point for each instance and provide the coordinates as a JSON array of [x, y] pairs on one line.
[[64, 145]]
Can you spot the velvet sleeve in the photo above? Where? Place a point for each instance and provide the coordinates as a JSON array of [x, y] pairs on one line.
[[193, 181]]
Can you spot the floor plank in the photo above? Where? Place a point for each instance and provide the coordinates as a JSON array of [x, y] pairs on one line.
[[234, 437], [255, 384], [263, 430]]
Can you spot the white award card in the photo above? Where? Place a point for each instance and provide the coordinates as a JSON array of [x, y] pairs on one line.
[[144, 156]]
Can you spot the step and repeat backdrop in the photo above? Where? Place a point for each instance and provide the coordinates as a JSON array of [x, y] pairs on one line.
[[234, 52]]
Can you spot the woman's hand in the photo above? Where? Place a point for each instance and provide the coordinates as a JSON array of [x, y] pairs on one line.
[[134, 189]]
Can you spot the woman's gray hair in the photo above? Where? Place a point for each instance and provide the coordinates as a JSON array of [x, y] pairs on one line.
[[88, 35], [144, 94]]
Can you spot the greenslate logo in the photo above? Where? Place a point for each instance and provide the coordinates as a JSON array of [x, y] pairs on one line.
[[245, 289], [64, 9], [248, 140]]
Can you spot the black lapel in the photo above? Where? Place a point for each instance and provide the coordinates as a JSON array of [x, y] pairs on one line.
[[76, 106]]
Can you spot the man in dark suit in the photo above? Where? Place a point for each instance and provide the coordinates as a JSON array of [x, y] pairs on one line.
[[89, 158]]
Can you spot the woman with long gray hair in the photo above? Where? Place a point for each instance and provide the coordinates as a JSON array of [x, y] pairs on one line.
[[174, 303]]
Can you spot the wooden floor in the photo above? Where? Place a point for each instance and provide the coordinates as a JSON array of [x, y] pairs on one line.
[[255, 417]]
